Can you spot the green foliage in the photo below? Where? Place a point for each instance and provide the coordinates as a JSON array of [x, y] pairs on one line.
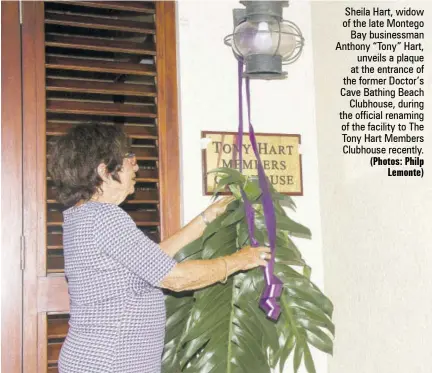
[[221, 329]]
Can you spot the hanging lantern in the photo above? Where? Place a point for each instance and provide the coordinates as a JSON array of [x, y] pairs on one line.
[[264, 40]]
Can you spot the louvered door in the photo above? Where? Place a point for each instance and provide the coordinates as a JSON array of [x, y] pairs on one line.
[[90, 61]]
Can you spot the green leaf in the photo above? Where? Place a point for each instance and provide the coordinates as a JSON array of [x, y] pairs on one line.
[[236, 175], [307, 271], [193, 248], [293, 228], [310, 366], [224, 182], [261, 236], [304, 289], [284, 223], [309, 320], [221, 243], [178, 308], [242, 234], [317, 338], [235, 190], [287, 346], [215, 225], [267, 329], [287, 254], [287, 201], [298, 354], [252, 189], [192, 348], [234, 217]]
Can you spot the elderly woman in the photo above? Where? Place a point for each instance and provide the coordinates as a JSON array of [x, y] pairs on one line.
[[115, 273]]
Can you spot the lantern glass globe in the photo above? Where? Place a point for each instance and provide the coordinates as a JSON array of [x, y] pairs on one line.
[[252, 37], [264, 37]]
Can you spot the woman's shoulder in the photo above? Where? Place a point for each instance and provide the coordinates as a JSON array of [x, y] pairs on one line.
[[107, 209], [111, 213], [100, 213]]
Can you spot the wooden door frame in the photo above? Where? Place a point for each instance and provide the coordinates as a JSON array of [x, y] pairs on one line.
[[34, 191], [11, 194], [44, 293], [168, 126]]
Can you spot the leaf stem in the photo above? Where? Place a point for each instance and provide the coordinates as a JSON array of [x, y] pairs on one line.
[[228, 370]]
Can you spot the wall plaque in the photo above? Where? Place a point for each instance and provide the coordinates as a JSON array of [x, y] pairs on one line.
[[279, 154]]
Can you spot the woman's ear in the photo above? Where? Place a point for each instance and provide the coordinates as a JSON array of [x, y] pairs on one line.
[[102, 172]]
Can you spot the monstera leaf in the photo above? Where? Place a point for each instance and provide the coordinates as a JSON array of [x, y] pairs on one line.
[[221, 329]]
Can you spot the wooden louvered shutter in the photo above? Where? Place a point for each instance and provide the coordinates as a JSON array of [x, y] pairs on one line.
[[91, 61]]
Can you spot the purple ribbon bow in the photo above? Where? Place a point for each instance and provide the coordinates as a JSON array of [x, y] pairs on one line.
[[273, 286]]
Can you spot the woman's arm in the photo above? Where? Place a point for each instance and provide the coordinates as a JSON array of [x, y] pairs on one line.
[[184, 236], [195, 228], [196, 274]]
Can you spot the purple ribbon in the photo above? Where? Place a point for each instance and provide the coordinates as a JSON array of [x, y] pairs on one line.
[[273, 285]]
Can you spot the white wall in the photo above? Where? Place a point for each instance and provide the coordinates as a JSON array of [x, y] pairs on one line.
[[376, 229], [208, 101]]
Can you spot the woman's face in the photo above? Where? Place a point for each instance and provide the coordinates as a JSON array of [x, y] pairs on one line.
[[115, 192], [128, 173]]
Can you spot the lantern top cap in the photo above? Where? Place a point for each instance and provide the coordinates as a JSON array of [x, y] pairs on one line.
[[264, 9]]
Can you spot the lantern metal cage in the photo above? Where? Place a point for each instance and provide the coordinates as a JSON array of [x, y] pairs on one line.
[[263, 40]]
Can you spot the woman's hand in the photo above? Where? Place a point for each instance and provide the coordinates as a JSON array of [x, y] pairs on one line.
[[250, 257], [217, 208], [194, 229]]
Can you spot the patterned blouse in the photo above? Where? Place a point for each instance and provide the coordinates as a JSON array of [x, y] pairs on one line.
[[117, 311]]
